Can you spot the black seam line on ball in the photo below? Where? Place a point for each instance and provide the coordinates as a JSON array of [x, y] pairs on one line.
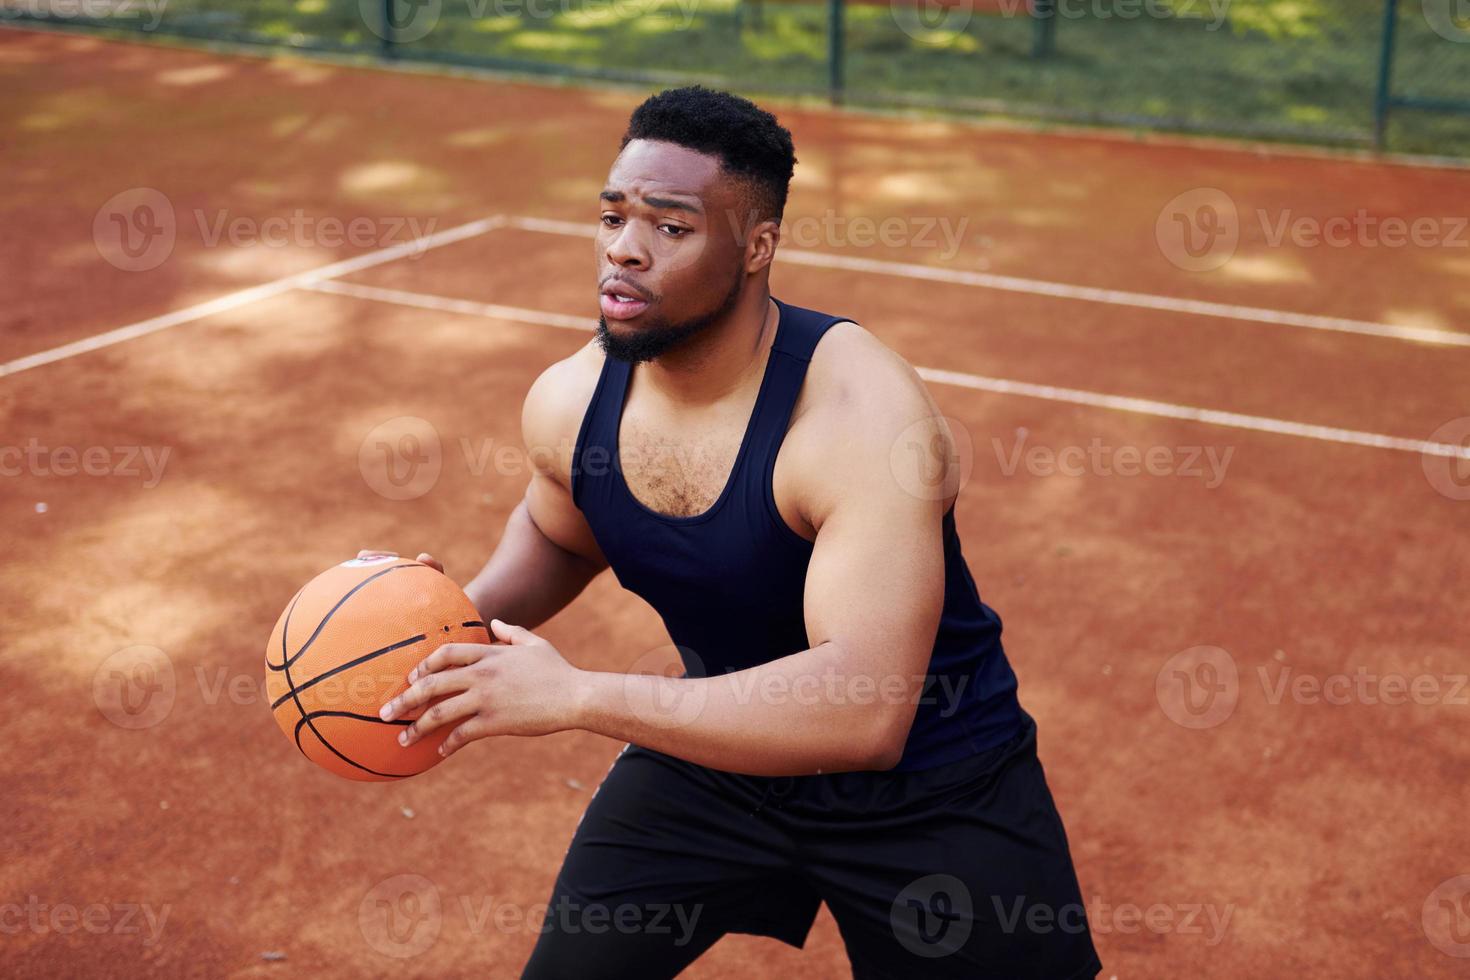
[[288, 661], [309, 720], [341, 667]]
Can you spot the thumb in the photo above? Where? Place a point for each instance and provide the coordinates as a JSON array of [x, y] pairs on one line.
[[506, 633]]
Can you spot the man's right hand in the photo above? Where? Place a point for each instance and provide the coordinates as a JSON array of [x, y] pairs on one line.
[[426, 558]]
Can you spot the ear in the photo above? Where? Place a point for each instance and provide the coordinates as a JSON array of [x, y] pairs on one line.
[[760, 246]]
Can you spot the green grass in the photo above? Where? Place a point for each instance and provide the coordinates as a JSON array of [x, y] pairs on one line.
[[1297, 69]]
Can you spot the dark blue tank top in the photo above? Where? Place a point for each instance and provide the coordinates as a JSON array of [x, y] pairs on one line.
[[729, 582]]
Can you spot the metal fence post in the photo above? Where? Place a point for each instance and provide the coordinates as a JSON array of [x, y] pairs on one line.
[[1384, 98], [389, 31], [1043, 28], [834, 51]]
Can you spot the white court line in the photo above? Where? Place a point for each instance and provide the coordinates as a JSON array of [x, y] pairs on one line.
[[1059, 290], [424, 301], [253, 294], [1003, 386]]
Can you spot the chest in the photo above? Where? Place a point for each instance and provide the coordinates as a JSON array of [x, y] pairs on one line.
[[679, 464]]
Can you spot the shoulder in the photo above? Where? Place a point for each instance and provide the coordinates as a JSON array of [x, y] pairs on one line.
[[551, 416], [852, 370], [865, 421]]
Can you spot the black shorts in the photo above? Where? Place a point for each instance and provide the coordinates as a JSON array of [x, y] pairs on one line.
[[958, 871]]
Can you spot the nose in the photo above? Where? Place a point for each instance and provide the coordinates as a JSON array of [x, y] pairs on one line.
[[626, 247]]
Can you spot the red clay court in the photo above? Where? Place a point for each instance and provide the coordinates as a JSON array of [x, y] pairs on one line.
[[1219, 492]]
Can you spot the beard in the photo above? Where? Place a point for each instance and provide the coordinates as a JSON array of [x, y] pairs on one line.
[[661, 335]]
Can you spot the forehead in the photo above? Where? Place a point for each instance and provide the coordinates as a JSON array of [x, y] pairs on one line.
[[652, 166]]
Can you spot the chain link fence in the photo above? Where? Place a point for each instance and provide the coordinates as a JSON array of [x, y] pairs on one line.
[[1290, 69]]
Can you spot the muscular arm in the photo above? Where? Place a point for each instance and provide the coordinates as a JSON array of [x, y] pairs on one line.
[[546, 555]]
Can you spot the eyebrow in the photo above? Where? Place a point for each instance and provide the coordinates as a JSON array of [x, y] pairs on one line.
[[662, 203]]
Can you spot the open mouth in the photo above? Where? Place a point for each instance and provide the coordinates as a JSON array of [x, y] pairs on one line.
[[620, 303]]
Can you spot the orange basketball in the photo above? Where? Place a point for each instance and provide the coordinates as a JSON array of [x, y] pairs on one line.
[[343, 648]]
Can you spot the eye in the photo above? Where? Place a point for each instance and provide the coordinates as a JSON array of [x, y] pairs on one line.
[[675, 231], [611, 220]]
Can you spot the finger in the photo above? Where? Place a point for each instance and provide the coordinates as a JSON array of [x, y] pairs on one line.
[[421, 693], [449, 655], [374, 553], [437, 716], [473, 730], [507, 633], [431, 561]]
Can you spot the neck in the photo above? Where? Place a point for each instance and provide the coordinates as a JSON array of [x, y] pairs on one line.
[[720, 359]]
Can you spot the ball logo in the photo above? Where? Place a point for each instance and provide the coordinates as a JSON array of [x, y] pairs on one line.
[[665, 705], [1199, 230], [929, 466], [401, 459], [936, 22], [933, 916], [401, 916], [135, 687], [135, 230], [1450, 474], [1198, 687], [1446, 917], [1450, 19], [400, 21]]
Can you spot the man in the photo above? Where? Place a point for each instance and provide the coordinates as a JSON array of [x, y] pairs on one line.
[[846, 729]]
